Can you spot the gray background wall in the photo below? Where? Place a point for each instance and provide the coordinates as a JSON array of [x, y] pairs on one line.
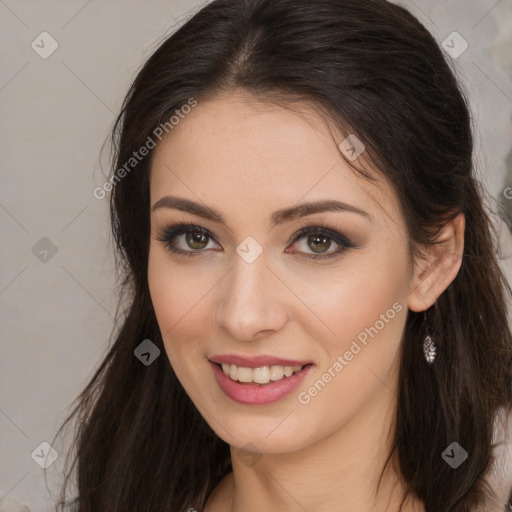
[[56, 272]]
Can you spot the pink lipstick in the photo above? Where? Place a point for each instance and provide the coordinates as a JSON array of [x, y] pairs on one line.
[[252, 393]]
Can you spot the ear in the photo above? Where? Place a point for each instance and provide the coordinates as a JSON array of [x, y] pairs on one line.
[[438, 267]]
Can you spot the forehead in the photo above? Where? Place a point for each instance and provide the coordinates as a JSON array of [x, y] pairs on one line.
[[234, 151]]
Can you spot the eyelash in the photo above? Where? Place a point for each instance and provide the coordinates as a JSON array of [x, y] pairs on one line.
[[169, 233]]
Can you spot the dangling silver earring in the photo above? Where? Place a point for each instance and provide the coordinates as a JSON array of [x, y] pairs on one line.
[[429, 347]]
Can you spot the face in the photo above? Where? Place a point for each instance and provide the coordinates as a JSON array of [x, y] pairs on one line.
[[241, 273]]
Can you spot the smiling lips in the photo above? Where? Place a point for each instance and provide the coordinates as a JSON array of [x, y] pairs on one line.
[[258, 380], [259, 369]]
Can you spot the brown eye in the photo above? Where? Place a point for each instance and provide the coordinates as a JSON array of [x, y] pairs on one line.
[[319, 243], [195, 239], [319, 240]]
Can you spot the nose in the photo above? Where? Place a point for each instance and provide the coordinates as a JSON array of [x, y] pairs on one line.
[[251, 301]]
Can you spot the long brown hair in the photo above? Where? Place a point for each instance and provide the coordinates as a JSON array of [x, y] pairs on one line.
[[373, 69]]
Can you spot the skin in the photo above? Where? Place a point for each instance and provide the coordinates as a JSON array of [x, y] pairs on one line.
[[246, 160]]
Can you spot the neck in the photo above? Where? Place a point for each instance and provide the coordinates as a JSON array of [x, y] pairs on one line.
[[340, 472]]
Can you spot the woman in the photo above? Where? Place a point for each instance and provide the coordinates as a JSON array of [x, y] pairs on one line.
[[316, 318]]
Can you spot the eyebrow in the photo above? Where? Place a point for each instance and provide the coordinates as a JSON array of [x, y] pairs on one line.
[[278, 217]]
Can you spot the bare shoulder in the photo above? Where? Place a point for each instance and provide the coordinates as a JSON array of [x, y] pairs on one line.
[[218, 499]]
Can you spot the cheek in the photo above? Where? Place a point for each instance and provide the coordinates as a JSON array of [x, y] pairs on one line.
[[179, 295], [174, 289], [359, 361], [367, 311], [366, 375], [171, 300], [365, 303]]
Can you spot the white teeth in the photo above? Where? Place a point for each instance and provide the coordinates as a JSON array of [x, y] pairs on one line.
[[261, 375], [244, 374], [276, 372]]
